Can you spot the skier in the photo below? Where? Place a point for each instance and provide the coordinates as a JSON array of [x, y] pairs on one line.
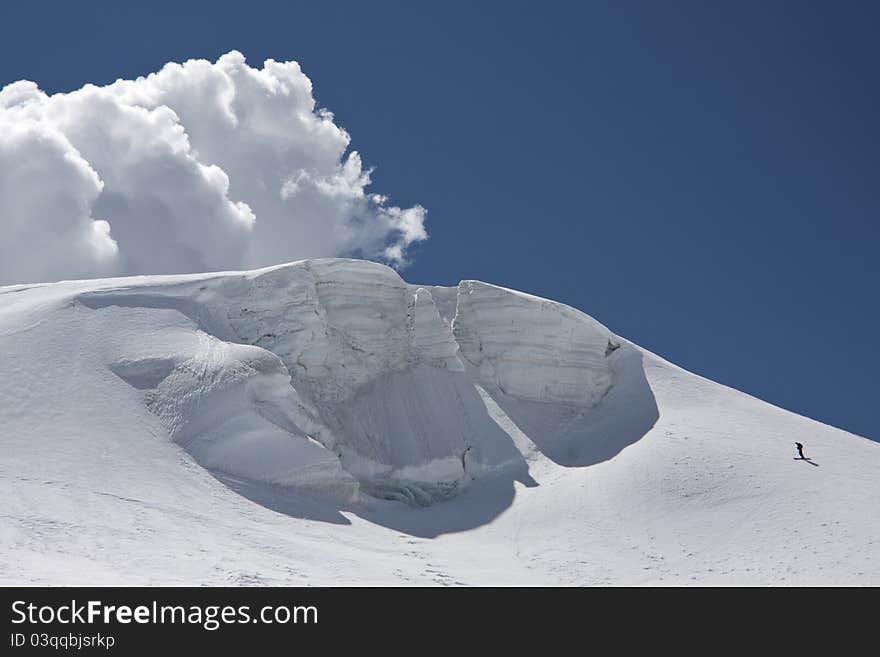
[[800, 449]]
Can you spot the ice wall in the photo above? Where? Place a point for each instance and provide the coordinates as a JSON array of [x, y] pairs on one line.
[[326, 370], [532, 348]]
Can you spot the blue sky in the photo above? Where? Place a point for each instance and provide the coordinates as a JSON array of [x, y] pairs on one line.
[[702, 179]]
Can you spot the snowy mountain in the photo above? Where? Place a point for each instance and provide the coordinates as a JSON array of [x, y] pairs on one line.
[[324, 422]]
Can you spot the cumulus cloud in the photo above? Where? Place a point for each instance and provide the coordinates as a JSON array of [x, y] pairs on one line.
[[202, 166]]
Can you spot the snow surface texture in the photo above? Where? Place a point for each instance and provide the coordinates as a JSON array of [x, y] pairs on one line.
[[324, 422]]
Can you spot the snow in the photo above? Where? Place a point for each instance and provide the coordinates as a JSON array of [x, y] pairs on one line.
[[307, 424]]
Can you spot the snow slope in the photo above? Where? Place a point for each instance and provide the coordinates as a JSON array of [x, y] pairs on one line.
[[324, 422]]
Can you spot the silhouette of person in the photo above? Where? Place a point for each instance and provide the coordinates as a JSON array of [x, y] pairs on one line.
[[800, 449], [464, 459]]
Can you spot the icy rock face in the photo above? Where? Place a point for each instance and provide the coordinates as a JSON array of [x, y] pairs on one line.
[[532, 348]]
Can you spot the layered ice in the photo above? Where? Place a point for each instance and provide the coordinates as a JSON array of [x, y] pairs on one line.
[[532, 348], [325, 373]]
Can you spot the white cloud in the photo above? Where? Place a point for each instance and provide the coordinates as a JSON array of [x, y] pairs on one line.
[[201, 166]]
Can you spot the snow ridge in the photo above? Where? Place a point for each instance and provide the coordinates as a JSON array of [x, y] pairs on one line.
[[244, 427]]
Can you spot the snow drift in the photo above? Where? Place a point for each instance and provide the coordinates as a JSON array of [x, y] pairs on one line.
[[327, 412]]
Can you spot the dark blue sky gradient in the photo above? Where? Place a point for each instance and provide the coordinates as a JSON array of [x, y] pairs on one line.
[[704, 180]]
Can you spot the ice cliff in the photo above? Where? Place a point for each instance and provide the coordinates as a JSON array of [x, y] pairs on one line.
[[337, 376]]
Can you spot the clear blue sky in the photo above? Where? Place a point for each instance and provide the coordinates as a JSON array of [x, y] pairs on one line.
[[705, 180]]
